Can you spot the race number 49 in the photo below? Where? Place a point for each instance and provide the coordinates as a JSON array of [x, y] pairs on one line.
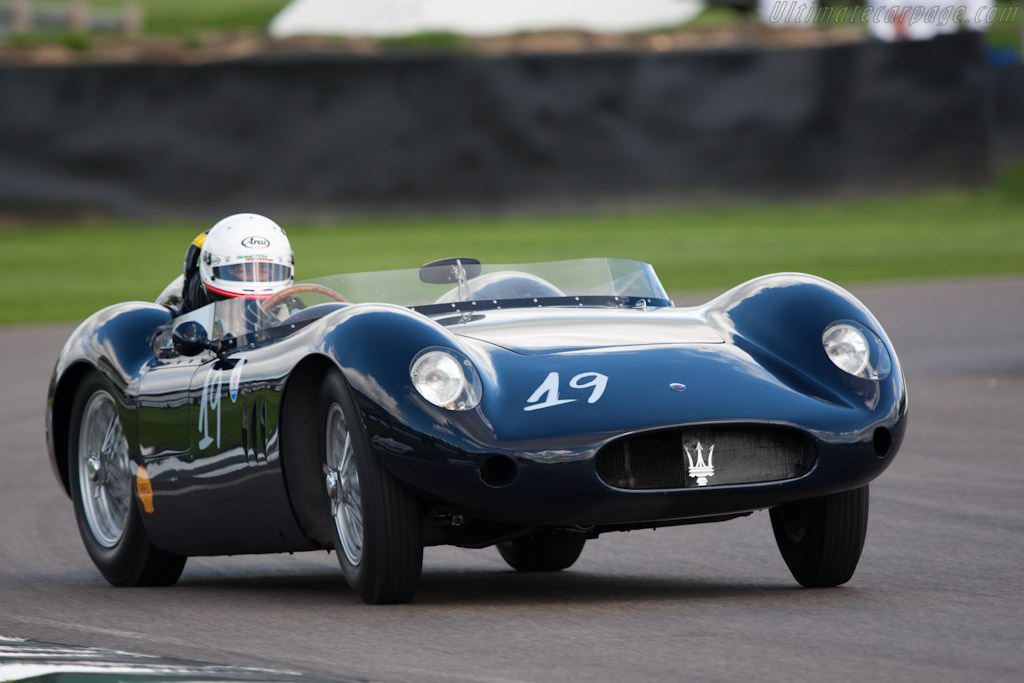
[[546, 395]]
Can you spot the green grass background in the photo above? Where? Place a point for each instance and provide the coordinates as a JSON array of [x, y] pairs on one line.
[[187, 17], [67, 271]]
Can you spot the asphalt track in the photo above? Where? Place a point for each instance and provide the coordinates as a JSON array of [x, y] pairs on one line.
[[938, 595]]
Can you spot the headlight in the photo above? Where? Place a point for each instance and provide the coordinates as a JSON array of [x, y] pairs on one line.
[[847, 347], [446, 378], [857, 350]]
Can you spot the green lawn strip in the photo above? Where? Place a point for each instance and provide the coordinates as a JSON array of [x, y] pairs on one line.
[[184, 17], [68, 271], [187, 17]]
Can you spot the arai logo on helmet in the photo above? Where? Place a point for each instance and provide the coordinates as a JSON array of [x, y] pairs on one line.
[[254, 242]]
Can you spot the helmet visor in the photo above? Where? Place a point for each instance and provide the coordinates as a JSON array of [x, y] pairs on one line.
[[253, 271]]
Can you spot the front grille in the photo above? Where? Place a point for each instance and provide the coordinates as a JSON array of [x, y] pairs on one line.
[[740, 455]]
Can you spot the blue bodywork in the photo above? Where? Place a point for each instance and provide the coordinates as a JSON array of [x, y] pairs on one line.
[[527, 455]]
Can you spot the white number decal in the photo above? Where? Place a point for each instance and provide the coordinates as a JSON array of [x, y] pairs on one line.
[[548, 387], [597, 380], [546, 395], [236, 380], [210, 401]]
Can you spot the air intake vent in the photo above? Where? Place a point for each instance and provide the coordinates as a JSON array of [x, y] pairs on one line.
[[682, 458]]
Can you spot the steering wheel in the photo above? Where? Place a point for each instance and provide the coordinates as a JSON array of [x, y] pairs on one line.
[[278, 297]]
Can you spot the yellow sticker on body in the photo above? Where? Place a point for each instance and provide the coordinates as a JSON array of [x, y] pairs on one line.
[[145, 489]]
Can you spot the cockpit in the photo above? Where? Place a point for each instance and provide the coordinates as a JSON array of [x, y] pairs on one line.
[[460, 286]]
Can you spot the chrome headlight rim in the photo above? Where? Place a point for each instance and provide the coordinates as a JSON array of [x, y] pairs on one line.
[[462, 390], [868, 359]]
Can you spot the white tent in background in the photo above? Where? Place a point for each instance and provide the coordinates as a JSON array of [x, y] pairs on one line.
[[393, 18]]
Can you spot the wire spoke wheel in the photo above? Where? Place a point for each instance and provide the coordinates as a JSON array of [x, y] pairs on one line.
[[342, 482], [103, 471], [375, 523], [102, 490]]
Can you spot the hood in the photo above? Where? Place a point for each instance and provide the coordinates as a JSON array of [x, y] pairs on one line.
[[541, 331]]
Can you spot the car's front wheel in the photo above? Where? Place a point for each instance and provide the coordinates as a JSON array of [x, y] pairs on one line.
[[375, 522], [821, 539], [100, 473], [544, 552]]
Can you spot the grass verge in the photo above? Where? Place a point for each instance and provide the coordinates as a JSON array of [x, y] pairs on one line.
[[187, 17], [67, 271]]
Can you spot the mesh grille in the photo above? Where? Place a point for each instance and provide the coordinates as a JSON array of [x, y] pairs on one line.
[[661, 460]]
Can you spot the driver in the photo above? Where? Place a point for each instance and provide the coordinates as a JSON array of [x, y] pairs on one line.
[[245, 255]]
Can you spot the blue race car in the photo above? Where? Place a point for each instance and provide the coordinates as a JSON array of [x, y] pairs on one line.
[[531, 407]]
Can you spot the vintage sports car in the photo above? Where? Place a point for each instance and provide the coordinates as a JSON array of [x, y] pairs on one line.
[[531, 407]]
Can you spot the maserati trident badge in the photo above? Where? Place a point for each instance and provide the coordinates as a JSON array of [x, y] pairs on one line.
[[700, 470]]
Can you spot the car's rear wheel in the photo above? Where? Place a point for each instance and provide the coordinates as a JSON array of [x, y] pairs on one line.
[[546, 552], [100, 474], [821, 539], [375, 522]]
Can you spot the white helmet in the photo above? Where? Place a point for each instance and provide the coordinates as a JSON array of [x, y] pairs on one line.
[[246, 255]]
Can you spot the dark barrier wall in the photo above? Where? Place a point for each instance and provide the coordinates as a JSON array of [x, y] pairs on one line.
[[305, 136], [1008, 87]]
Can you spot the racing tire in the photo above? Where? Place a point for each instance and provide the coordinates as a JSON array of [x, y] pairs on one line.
[[821, 539], [100, 474], [542, 553], [375, 522]]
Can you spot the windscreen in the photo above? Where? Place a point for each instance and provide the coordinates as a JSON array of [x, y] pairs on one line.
[[230, 318], [550, 281]]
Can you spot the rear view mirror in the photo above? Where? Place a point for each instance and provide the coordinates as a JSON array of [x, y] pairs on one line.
[[190, 339], [446, 271]]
